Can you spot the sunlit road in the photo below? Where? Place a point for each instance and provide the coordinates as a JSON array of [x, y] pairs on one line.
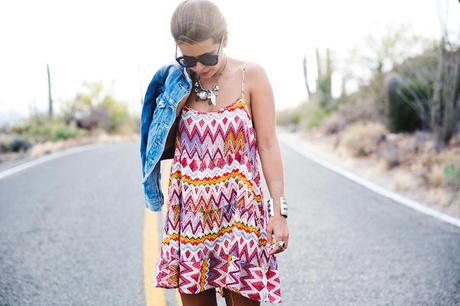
[[72, 231], [75, 232]]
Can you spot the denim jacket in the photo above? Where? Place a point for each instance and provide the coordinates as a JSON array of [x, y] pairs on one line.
[[169, 85]]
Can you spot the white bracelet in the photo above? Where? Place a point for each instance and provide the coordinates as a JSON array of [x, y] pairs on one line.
[[283, 207]]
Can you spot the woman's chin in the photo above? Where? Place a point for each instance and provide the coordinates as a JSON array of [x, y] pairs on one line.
[[207, 75]]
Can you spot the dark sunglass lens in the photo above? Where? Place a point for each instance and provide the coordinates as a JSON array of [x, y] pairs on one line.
[[187, 61], [209, 59]]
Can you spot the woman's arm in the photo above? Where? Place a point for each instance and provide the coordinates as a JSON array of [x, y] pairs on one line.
[[263, 117]]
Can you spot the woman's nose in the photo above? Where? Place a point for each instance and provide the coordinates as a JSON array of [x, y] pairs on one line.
[[199, 67]]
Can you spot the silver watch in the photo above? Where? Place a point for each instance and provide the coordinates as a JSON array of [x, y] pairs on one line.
[[283, 207]]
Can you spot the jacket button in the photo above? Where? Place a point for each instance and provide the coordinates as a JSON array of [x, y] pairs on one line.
[[161, 103]]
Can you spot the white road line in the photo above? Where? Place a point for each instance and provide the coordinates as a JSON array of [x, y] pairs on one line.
[[297, 146], [48, 157]]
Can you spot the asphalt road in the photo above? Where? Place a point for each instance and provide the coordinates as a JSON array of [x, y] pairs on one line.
[[72, 234], [72, 231]]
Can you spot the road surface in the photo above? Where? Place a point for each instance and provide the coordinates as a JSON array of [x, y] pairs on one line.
[[75, 232]]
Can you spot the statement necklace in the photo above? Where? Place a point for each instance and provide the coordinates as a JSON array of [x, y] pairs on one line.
[[210, 95]]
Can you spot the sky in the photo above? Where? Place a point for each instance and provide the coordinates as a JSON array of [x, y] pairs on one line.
[[123, 43]]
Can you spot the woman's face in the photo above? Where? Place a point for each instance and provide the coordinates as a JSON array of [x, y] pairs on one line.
[[197, 49]]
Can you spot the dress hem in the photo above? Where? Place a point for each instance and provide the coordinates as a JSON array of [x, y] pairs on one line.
[[219, 290], [166, 275]]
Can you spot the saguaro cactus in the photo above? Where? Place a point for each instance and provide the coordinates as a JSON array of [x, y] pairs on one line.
[[446, 98], [305, 75], [50, 100], [324, 81], [323, 91]]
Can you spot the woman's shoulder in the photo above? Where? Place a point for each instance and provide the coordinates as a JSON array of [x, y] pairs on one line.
[[254, 73], [252, 70], [248, 65]]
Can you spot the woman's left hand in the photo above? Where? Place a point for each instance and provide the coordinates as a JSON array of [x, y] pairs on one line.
[[277, 228]]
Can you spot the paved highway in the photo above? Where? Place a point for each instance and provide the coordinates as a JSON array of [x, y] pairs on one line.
[[75, 232]]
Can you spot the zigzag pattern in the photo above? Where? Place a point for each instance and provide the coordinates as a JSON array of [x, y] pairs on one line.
[[215, 228]]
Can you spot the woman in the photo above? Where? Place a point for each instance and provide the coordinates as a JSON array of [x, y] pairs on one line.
[[218, 232]]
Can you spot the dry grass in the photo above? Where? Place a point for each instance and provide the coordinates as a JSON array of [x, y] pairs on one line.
[[405, 163], [361, 138], [403, 181], [47, 147]]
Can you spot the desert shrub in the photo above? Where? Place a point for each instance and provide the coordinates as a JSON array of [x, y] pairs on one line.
[[439, 168], [39, 129], [396, 149], [60, 131], [407, 102], [315, 118], [452, 174], [91, 119], [117, 115], [94, 108], [333, 124], [288, 116], [450, 161], [362, 138], [14, 143], [347, 113]]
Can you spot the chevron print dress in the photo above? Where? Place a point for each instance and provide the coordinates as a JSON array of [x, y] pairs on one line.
[[215, 228]]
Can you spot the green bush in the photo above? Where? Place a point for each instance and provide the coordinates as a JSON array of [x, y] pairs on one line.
[[94, 108], [312, 115], [315, 118], [452, 174], [40, 129], [60, 131], [306, 116], [289, 116], [117, 114], [14, 143], [408, 104]]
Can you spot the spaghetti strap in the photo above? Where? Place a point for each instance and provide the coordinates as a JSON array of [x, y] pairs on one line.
[[242, 80]]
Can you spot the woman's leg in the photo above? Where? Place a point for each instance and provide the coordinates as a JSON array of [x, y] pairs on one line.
[[204, 298], [233, 298]]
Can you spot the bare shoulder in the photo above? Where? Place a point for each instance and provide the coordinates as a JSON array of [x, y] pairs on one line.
[[255, 70], [257, 80], [256, 76], [252, 69], [262, 104]]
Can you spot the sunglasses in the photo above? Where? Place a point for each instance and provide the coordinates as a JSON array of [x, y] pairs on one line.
[[206, 59]]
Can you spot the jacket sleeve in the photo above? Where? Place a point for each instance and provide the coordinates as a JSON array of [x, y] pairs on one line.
[[148, 108], [151, 186], [153, 196]]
